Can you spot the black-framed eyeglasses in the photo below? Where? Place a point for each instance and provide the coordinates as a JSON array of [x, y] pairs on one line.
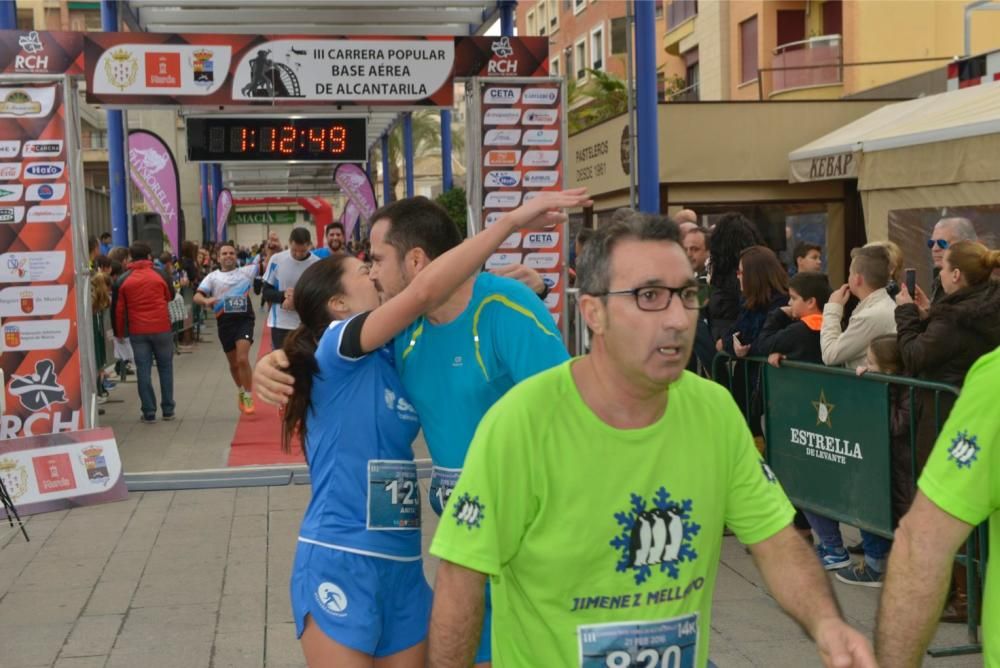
[[658, 297], [941, 243]]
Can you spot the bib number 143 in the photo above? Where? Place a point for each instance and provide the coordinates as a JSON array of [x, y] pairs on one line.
[[671, 643]]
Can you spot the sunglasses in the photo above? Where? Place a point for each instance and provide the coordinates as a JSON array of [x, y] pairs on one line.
[[941, 243]]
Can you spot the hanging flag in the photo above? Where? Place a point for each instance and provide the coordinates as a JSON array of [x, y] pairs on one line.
[[223, 206], [154, 172], [349, 219], [359, 190]]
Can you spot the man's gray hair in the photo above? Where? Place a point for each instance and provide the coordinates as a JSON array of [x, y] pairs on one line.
[[594, 265], [962, 227]]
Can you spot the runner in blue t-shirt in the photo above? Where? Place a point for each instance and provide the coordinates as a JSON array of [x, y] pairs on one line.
[[357, 586]]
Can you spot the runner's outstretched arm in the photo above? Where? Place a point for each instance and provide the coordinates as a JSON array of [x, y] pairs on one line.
[[798, 583], [916, 582], [457, 616], [434, 284]]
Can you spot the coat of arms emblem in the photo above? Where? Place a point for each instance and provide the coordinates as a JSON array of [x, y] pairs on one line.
[[121, 69], [15, 477], [96, 465]]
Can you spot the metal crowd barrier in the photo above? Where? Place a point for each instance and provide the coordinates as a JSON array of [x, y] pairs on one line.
[[812, 416]]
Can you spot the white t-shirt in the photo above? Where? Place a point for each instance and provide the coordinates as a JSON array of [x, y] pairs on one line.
[[233, 290], [283, 272]]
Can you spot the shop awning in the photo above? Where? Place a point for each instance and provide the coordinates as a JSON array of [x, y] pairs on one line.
[[970, 112]]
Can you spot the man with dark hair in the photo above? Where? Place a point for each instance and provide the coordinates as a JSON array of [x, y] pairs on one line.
[[334, 235], [599, 527], [139, 302], [808, 257], [283, 272], [105, 243], [227, 292], [695, 242]]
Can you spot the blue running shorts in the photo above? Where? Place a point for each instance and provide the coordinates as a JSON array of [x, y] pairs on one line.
[[374, 605]]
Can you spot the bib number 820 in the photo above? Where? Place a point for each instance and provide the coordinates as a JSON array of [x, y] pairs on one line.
[[646, 658]]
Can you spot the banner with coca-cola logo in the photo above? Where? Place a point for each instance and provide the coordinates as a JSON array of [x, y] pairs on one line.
[[153, 170]]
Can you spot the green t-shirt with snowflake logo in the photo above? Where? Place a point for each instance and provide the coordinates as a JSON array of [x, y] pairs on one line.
[[962, 477], [602, 544]]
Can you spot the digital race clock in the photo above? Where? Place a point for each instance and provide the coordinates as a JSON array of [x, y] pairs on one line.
[[263, 138]]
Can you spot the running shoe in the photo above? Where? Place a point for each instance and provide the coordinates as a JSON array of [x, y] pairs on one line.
[[148, 419], [246, 403], [833, 558], [167, 417], [861, 574], [109, 385]]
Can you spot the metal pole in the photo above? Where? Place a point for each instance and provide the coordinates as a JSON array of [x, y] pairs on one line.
[[630, 90], [447, 180], [386, 186], [507, 17], [408, 151], [217, 187], [116, 148], [8, 15], [645, 66], [206, 223], [211, 194]]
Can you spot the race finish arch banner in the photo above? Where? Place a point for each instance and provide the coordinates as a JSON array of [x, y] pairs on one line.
[[226, 70], [44, 281], [519, 128]]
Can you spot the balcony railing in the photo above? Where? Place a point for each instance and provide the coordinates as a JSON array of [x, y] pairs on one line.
[[816, 61]]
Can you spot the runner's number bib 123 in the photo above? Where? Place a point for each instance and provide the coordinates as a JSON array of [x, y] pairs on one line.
[[671, 643], [393, 495]]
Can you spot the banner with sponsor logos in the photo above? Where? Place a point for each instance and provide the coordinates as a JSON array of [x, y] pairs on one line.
[[356, 184], [153, 170], [58, 471], [215, 69], [223, 207], [38, 299], [521, 127], [41, 52]]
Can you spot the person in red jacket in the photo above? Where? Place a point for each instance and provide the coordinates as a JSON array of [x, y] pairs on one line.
[[139, 302]]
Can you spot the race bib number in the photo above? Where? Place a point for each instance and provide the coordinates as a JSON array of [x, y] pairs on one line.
[[393, 495], [443, 481], [671, 643], [234, 305]]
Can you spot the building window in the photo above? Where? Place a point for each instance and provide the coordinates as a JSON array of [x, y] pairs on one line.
[[542, 18], [580, 59], [531, 23], [680, 11], [579, 6], [691, 74], [554, 66], [618, 35], [659, 9], [553, 16], [748, 50], [597, 48]]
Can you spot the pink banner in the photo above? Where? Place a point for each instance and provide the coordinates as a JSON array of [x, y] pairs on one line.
[[349, 219], [154, 172], [223, 206], [357, 186]]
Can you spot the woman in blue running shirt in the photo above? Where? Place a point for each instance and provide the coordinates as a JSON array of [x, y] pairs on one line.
[[358, 591]]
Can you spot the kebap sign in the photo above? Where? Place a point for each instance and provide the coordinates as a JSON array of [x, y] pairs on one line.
[[210, 70]]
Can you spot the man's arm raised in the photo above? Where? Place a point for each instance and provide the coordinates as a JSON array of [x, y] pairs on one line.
[[800, 586], [457, 616]]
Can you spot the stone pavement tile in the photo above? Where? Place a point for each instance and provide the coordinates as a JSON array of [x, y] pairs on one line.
[[859, 604], [206, 498], [98, 545], [113, 597], [92, 636], [57, 573], [249, 526], [125, 566], [289, 497], [168, 630], [171, 589], [239, 612], [243, 649], [725, 654], [251, 501], [34, 645], [283, 648], [81, 662], [279, 606], [13, 559], [789, 652], [753, 620], [26, 608], [246, 568], [731, 586]]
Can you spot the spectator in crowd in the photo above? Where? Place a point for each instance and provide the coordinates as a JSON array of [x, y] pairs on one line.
[[105, 243], [686, 219], [93, 250], [764, 289], [119, 254], [695, 242], [958, 491], [731, 236], [283, 272], [100, 300], [139, 303], [946, 232], [873, 316], [581, 240], [334, 235], [895, 265], [808, 257], [792, 331]]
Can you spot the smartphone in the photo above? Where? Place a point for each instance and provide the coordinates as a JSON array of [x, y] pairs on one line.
[[911, 281]]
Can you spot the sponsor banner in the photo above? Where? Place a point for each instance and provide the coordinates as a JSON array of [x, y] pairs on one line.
[[502, 116], [11, 214], [32, 267], [541, 158], [11, 192], [9, 148], [503, 200], [541, 116], [546, 96], [541, 178], [354, 181], [502, 179], [262, 218], [492, 217], [34, 334], [26, 102], [10, 171], [33, 300], [542, 260], [501, 158], [513, 241], [44, 170], [223, 207], [502, 138], [502, 260], [44, 192], [153, 170], [541, 240], [41, 52], [51, 148], [552, 300], [219, 69], [56, 471], [502, 95], [540, 137], [48, 213]]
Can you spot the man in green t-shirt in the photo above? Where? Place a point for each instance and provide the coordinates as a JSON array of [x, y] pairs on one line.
[[594, 495], [959, 489]]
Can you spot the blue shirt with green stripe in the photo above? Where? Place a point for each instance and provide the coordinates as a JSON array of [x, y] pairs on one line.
[[454, 372]]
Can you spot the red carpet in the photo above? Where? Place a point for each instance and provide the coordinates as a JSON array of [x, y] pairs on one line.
[[257, 440]]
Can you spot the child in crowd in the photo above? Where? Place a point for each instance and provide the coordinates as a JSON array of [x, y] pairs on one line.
[[792, 331]]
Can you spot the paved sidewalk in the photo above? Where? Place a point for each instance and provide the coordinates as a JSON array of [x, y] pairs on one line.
[[200, 578]]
